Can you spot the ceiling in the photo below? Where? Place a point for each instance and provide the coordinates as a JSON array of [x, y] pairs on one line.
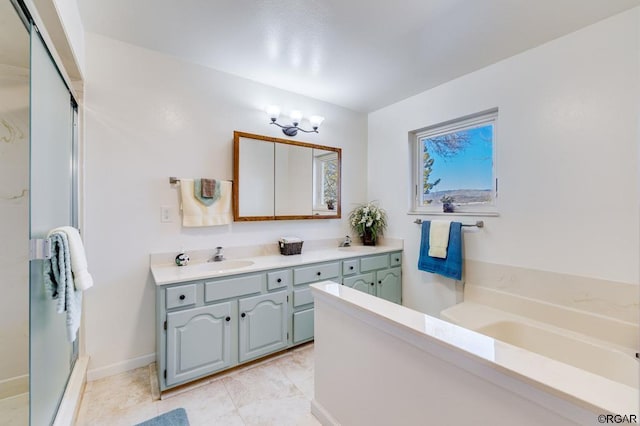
[[360, 54]]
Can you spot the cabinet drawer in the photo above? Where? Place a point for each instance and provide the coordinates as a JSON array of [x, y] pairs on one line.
[[278, 279], [314, 273], [302, 297], [232, 287], [184, 295], [302, 325], [396, 259], [374, 262], [350, 267]]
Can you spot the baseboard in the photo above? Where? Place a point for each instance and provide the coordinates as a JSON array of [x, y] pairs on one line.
[[322, 415], [70, 404], [14, 386], [120, 367]]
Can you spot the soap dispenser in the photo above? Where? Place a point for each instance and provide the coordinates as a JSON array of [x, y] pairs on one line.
[[182, 259]]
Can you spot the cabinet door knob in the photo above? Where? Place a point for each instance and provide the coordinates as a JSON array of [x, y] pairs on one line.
[[182, 297], [279, 280], [227, 319], [380, 282], [397, 259], [351, 268], [243, 315], [372, 284], [318, 273]]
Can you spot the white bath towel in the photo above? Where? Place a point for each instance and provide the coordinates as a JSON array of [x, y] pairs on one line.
[[439, 238], [194, 213], [81, 277], [58, 281]]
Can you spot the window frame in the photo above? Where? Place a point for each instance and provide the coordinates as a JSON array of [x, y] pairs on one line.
[[450, 126]]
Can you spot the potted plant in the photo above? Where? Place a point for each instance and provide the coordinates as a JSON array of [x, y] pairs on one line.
[[368, 221], [447, 203]]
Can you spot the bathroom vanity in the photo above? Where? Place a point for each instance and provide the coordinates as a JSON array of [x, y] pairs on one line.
[[212, 316]]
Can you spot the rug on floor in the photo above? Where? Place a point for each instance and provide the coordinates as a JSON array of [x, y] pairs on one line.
[[177, 417]]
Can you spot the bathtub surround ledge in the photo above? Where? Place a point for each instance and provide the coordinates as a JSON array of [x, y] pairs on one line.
[[423, 359], [618, 300]]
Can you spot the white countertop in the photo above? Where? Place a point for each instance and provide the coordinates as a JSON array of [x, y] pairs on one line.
[[583, 388], [169, 273]]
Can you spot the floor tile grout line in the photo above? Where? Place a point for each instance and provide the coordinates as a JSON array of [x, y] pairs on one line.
[[233, 402]]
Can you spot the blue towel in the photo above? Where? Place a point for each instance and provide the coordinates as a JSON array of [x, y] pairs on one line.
[[58, 281], [450, 267]]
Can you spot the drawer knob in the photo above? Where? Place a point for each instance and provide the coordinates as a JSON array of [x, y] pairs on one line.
[[319, 273], [351, 268], [227, 319], [243, 315], [279, 280], [372, 283], [182, 297], [380, 282], [397, 259]]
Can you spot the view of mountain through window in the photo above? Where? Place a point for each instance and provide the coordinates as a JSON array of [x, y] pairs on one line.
[[459, 165], [456, 165]]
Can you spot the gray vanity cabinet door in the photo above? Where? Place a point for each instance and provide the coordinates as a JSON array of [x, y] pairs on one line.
[[263, 324], [198, 342], [389, 284], [364, 283]]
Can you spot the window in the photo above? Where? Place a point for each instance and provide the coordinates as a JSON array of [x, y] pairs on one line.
[[455, 166]]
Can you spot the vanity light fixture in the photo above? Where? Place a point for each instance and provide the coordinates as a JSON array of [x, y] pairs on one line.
[[296, 117]]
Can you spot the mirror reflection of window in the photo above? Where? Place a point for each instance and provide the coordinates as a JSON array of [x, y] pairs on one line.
[[325, 166]]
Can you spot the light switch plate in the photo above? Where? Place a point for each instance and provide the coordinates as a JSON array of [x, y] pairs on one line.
[[166, 214]]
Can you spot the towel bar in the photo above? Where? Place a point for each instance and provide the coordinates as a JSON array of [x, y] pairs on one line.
[[479, 224], [174, 180]]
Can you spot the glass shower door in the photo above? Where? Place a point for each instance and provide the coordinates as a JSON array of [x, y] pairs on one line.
[[51, 205]]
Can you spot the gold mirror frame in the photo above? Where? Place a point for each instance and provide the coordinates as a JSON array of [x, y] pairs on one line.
[[237, 179]]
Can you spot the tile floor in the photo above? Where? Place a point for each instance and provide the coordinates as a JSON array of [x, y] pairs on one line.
[[277, 391]]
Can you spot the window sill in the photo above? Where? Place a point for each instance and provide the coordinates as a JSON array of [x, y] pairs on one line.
[[441, 213]]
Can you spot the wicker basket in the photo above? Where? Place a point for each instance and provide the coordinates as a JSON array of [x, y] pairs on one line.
[[290, 248]]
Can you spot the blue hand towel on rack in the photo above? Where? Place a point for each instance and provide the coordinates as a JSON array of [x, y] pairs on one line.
[[451, 266]]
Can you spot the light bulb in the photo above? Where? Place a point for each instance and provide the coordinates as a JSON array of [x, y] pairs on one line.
[[295, 116], [316, 121], [273, 111]]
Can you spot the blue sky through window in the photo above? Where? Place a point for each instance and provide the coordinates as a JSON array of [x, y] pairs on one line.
[[470, 168]]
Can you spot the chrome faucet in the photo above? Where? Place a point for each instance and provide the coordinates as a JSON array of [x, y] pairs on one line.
[[218, 257], [346, 242]]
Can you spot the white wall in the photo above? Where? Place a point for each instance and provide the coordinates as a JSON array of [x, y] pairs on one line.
[[567, 160], [147, 117], [73, 28]]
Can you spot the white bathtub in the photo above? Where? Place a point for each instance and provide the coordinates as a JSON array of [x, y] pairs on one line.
[[611, 357], [604, 361]]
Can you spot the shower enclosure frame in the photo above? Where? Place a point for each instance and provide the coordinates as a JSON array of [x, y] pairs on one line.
[[45, 399]]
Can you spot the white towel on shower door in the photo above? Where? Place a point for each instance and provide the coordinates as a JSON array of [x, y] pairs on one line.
[[439, 238], [81, 277]]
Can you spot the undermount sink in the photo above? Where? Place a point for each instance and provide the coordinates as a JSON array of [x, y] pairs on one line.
[[361, 249], [223, 265]]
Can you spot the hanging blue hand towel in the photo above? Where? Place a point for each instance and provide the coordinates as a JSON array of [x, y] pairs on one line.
[[451, 266]]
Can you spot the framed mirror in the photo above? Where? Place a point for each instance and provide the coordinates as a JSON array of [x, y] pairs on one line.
[[279, 179]]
